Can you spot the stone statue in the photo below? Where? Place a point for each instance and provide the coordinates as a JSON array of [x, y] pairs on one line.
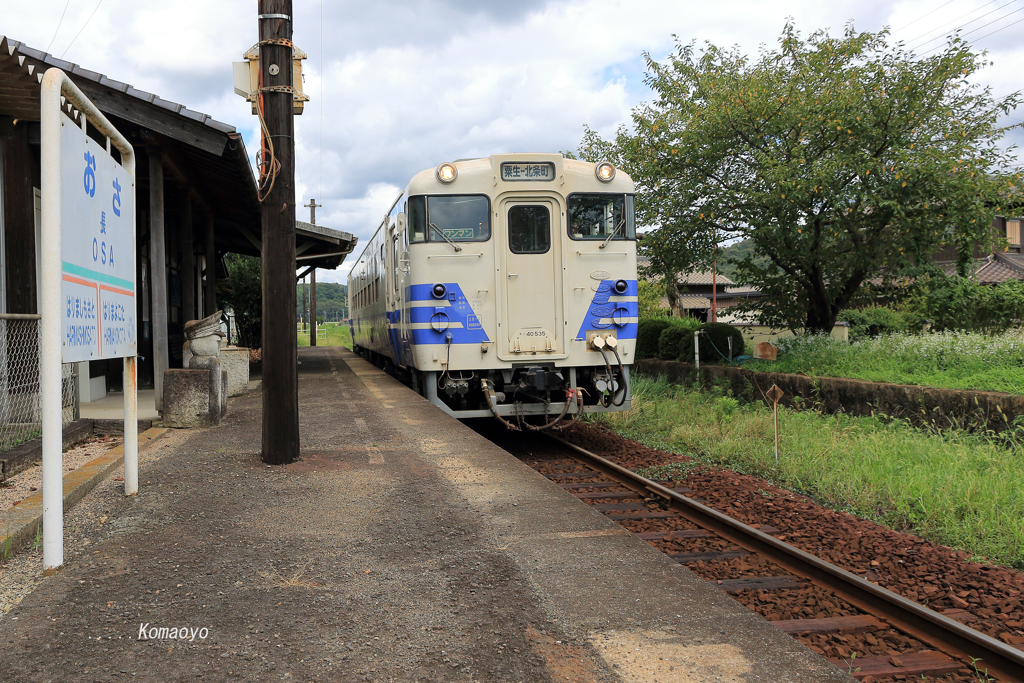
[[202, 338], [197, 395]]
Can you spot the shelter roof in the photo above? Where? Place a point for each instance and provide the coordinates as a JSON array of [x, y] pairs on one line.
[[205, 156]]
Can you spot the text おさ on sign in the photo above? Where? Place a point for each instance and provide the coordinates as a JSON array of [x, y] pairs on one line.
[[98, 251]]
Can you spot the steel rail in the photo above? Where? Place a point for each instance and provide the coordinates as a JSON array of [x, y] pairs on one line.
[[906, 615]]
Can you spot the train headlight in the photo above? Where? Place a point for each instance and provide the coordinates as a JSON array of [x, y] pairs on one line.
[[446, 172], [438, 291], [621, 286], [605, 172]]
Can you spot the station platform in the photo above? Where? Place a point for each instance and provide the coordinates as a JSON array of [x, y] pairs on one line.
[[402, 547]]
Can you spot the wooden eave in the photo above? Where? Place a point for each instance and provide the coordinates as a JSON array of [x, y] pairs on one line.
[[208, 157]]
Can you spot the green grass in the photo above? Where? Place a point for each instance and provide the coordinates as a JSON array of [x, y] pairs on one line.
[[957, 489], [337, 335], [951, 360]]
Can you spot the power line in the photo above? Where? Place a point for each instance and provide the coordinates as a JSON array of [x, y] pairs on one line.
[[321, 98], [967, 24], [951, 21], [999, 29], [58, 25], [81, 29], [928, 14], [983, 26]]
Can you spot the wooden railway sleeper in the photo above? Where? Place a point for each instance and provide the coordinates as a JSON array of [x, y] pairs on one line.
[[908, 616]]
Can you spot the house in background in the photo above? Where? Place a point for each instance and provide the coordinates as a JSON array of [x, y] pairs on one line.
[[695, 293], [990, 268], [699, 293]]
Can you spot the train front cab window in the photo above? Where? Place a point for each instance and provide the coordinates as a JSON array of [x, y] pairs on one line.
[[594, 216], [455, 218]]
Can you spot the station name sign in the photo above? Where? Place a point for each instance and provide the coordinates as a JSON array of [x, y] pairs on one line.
[[97, 250]]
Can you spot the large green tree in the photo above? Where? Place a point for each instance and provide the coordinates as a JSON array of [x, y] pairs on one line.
[[244, 294], [840, 159]]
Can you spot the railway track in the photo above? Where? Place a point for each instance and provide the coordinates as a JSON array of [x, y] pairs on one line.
[[764, 571]]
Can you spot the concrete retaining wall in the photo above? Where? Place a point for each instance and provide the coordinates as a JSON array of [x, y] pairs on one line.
[[921, 405], [21, 456]]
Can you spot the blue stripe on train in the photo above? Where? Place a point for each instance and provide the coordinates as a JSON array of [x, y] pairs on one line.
[[440, 316], [393, 317], [602, 307]]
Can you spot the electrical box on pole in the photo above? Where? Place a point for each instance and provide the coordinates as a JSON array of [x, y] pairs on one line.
[[247, 78]]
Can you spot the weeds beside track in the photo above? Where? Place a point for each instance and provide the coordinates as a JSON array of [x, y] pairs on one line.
[[954, 488]]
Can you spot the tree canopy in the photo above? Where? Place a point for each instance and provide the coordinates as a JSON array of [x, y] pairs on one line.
[[839, 159], [244, 294], [331, 301]]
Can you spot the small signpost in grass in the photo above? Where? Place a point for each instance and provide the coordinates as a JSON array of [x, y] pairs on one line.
[[765, 351], [775, 395]]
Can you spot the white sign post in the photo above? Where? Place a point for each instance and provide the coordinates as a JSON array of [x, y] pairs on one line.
[[88, 277]]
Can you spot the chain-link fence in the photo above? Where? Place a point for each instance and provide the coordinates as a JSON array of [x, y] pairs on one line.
[[19, 381]]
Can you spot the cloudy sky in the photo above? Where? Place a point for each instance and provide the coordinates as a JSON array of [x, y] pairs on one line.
[[402, 85]]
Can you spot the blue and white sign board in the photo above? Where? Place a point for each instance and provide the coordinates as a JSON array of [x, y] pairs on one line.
[[97, 250], [87, 276]]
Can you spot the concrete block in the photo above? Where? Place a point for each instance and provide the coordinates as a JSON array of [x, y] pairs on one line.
[[218, 386], [187, 398], [236, 362]]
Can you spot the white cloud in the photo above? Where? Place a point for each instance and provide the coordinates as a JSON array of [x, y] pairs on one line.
[[408, 84]]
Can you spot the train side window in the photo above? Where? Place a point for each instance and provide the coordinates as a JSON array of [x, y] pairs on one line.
[[529, 229], [598, 216], [417, 219], [458, 218]]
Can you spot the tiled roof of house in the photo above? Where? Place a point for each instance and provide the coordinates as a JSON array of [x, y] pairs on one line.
[[690, 302], [1014, 259], [702, 277], [993, 270]]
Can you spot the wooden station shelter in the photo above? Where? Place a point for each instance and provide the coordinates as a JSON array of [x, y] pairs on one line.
[[195, 201]]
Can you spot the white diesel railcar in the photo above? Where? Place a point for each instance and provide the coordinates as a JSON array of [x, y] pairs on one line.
[[505, 286]]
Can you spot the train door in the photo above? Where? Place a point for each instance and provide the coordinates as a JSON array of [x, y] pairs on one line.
[[532, 270], [400, 250]]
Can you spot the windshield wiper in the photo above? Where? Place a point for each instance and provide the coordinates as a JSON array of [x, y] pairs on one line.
[[445, 237], [613, 234]]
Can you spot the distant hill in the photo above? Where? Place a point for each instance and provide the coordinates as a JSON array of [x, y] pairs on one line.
[[735, 252], [331, 300]]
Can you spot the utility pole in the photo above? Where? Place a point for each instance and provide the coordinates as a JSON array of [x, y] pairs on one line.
[[714, 292], [312, 280], [312, 307], [305, 308], [312, 206], [277, 189]]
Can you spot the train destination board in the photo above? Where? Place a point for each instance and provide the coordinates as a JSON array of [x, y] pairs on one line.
[[514, 170], [97, 251]]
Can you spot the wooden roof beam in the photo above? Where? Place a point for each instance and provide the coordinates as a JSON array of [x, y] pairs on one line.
[[178, 167]]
